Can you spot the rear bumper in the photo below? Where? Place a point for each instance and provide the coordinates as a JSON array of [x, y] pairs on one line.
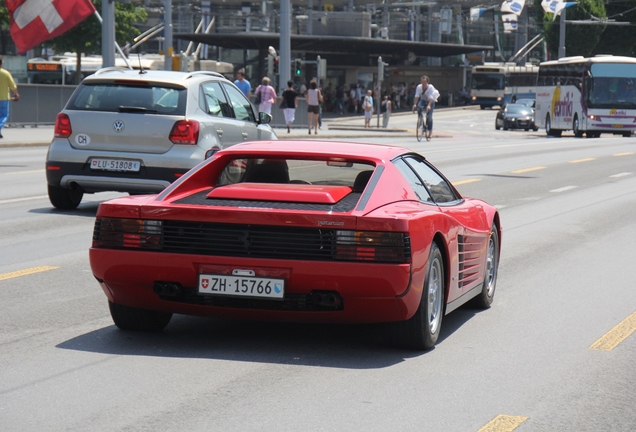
[[147, 180], [369, 292]]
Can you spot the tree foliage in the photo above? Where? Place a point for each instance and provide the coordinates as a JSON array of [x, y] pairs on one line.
[[619, 39], [580, 40]]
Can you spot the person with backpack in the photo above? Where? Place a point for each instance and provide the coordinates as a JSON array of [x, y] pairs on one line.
[[367, 106]]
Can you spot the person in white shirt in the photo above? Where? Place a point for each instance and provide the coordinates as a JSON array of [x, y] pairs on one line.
[[425, 96]]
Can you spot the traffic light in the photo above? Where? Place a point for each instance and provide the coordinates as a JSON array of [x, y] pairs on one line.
[[297, 66]]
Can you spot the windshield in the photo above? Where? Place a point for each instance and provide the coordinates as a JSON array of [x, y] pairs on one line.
[[612, 86], [491, 81], [518, 109]]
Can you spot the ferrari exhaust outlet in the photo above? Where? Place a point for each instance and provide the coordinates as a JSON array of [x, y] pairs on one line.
[[167, 289], [329, 299]]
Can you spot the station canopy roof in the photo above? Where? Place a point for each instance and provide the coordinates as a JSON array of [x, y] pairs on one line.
[[331, 44]]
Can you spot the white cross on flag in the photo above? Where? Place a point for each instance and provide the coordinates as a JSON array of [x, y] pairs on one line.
[[35, 21]]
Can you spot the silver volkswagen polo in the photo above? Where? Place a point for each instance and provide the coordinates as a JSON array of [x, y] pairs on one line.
[[138, 131]]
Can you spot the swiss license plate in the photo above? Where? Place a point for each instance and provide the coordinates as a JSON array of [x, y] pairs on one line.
[[115, 165], [241, 286], [617, 126]]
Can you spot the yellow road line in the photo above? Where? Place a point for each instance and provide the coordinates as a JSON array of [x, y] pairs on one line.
[[618, 334], [582, 160], [623, 154], [462, 182], [525, 170], [25, 272], [503, 423]]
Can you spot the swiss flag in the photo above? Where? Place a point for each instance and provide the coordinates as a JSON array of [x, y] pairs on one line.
[[35, 21]]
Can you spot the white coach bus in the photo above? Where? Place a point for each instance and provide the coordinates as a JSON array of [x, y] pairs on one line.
[[587, 95]]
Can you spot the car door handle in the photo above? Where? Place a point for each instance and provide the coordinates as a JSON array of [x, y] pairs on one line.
[[245, 134], [219, 132]]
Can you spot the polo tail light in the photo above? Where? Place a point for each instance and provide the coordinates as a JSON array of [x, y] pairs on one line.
[[62, 126], [185, 132]]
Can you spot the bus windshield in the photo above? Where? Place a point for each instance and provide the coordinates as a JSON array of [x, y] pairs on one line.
[[612, 86], [489, 81]]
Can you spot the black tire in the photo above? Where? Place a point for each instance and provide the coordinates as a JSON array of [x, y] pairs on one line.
[[627, 134], [497, 126], [65, 199], [421, 331], [130, 318], [548, 127], [485, 298], [505, 125], [482, 107], [576, 127], [419, 130]]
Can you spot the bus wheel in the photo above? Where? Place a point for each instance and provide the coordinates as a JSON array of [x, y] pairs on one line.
[[548, 125], [576, 127], [627, 134], [482, 107]]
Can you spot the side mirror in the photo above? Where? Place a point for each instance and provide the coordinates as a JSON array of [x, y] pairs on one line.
[[264, 118]]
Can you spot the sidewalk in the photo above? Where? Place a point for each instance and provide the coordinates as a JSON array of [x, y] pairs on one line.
[[345, 127]]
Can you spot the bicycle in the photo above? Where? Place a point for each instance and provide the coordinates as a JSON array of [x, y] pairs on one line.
[[420, 130]]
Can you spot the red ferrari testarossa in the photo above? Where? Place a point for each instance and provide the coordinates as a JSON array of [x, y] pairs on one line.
[[300, 231]]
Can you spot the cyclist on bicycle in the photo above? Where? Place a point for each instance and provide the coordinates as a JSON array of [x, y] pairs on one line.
[[426, 95]]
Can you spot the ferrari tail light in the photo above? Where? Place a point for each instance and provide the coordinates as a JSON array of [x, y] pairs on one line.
[[185, 132], [62, 126], [113, 233], [372, 246]]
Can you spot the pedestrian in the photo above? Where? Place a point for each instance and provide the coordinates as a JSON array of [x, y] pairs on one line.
[[288, 104], [314, 99], [7, 86], [243, 84], [385, 109], [340, 100], [425, 97], [265, 96], [367, 106]]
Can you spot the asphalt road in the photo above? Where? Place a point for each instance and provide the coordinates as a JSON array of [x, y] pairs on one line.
[[555, 352]]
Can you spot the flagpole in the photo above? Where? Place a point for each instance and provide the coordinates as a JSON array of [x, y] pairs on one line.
[[110, 41]]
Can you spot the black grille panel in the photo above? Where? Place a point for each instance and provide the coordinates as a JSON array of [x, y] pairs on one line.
[[247, 241], [256, 241]]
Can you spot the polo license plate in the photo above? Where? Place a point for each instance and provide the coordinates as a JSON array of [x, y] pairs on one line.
[[115, 165], [241, 286]]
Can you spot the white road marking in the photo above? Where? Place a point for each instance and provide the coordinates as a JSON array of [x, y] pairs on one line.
[[623, 174], [563, 189], [15, 200]]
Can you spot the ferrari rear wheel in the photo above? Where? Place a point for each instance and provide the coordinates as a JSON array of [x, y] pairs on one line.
[[485, 298], [421, 331], [130, 318]]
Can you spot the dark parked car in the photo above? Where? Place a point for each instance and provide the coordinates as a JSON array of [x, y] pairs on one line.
[[515, 116]]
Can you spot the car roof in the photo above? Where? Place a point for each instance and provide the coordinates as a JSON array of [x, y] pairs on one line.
[[114, 73], [307, 148]]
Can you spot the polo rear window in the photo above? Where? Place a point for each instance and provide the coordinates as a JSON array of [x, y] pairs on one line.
[[119, 97]]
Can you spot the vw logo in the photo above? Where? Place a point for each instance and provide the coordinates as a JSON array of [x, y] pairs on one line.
[[118, 126]]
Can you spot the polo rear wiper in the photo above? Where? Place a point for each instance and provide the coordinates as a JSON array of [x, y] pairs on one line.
[[135, 109]]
